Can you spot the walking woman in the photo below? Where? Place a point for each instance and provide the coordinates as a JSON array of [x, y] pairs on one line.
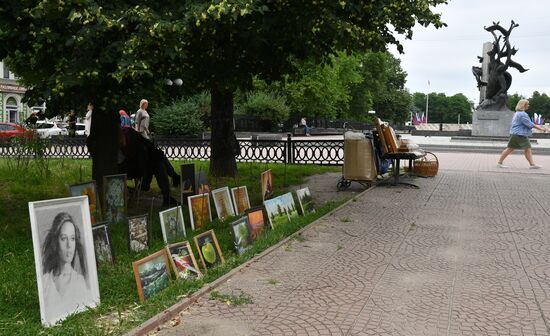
[[519, 135]]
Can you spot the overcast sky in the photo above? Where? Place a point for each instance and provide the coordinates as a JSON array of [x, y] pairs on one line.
[[445, 56]]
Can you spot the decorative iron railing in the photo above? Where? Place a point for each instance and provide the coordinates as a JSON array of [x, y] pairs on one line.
[[289, 150]]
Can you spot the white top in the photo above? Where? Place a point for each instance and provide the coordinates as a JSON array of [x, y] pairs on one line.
[[303, 122], [75, 299], [142, 123], [88, 122]]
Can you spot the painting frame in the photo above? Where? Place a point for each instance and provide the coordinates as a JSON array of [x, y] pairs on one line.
[[191, 201], [241, 243], [223, 203], [289, 205], [267, 184], [143, 238], [198, 239], [88, 188], [111, 193], [240, 198], [186, 245], [180, 223], [49, 218], [274, 217], [257, 226], [306, 206], [161, 254], [106, 236]]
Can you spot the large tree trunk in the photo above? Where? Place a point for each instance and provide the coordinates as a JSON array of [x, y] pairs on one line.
[[223, 143], [103, 145]]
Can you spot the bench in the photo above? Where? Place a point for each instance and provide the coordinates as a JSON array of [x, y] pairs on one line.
[[265, 139]]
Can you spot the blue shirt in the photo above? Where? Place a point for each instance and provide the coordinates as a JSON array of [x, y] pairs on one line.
[[521, 124]]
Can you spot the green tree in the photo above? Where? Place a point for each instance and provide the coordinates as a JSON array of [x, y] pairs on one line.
[[443, 109], [513, 100], [78, 50], [540, 104]]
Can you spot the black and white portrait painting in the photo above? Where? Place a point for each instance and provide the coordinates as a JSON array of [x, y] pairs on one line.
[[64, 257]]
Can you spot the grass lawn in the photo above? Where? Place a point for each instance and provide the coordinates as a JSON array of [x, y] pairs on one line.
[[120, 309]]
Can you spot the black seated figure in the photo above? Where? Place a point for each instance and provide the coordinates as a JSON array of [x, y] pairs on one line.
[[140, 159]]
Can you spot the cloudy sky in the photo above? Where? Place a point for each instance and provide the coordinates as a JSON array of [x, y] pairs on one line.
[[445, 56]]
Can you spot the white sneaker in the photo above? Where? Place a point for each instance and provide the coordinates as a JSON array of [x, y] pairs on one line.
[[535, 166], [500, 165]]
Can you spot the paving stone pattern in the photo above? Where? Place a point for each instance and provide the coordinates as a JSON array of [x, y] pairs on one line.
[[466, 254]]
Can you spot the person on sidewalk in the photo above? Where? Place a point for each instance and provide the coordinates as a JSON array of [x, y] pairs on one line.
[[519, 135], [303, 123]]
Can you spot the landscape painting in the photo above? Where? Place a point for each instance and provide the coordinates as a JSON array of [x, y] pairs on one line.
[[172, 225], [152, 274], [183, 260], [256, 220], [209, 249], [276, 213], [199, 210], [89, 189], [241, 203], [290, 206], [242, 236], [102, 243], [114, 196], [305, 200], [222, 202], [138, 233], [267, 184]]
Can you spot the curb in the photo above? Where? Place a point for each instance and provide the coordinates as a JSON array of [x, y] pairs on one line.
[[162, 317]]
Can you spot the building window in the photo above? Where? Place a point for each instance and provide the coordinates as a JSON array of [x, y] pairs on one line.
[[6, 71], [11, 110]]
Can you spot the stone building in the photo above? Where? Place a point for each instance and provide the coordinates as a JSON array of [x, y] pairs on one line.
[[11, 94]]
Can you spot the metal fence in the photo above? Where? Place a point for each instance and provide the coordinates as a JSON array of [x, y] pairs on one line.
[[322, 152]]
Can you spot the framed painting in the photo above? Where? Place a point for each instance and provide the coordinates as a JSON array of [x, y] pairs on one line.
[[275, 211], [267, 184], [222, 202], [152, 274], [289, 205], [307, 205], [183, 260], [114, 198], [241, 202], [202, 185], [88, 189], [199, 210], [138, 233], [187, 173], [209, 249], [103, 245], [64, 257], [172, 225], [256, 219], [242, 234]]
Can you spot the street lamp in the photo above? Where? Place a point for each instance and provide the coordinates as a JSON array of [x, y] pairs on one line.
[[427, 100]]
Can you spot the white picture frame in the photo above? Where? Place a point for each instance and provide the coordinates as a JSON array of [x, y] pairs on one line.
[[172, 224], [60, 255], [196, 203], [223, 203], [241, 202]]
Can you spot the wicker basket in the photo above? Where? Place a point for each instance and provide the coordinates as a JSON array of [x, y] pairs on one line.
[[426, 166]]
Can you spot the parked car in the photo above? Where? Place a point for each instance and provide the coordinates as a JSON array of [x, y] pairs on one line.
[[47, 129], [9, 131], [80, 128]]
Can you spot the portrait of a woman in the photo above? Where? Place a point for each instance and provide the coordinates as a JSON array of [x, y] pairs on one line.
[[64, 267]]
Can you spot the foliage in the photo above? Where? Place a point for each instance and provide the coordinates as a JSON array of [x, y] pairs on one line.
[[443, 109], [513, 100], [266, 105], [119, 310], [540, 104], [183, 116]]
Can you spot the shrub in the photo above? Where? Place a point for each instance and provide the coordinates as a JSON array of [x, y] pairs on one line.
[[183, 117], [265, 105]]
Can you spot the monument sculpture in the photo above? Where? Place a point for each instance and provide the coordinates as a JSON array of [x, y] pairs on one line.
[[492, 116]]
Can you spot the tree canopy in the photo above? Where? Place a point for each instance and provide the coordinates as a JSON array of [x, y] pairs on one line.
[[72, 51], [444, 109]]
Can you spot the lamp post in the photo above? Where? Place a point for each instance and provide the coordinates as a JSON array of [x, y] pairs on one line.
[[427, 101]]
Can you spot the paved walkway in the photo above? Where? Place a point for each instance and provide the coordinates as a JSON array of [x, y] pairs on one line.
[[466, 254]]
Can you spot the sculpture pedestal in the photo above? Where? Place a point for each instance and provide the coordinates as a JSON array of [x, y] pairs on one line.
[[492, 123]]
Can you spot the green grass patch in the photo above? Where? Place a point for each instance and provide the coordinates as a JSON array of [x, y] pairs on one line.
[[231, 300], [120, 309]]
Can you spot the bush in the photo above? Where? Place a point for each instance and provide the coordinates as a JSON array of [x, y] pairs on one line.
[[182, 117], [265, 105]]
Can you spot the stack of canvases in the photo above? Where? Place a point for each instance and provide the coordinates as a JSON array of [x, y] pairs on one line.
[[69, 238]]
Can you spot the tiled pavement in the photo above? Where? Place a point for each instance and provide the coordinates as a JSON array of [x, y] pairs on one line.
[[466, 254]]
